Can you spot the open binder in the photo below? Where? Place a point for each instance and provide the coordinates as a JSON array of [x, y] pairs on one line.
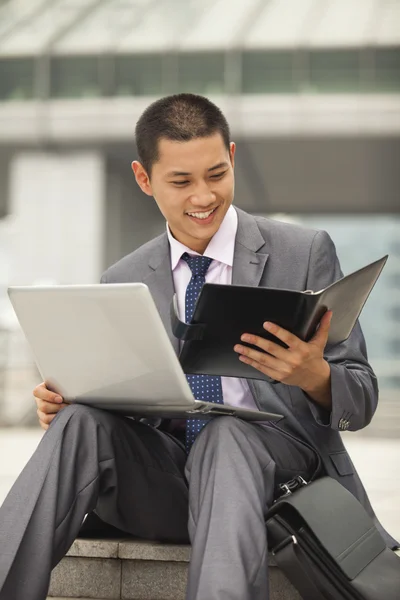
[[224, 312]]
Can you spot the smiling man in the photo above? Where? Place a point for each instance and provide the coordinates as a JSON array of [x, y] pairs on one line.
[[209, 483], [194, 198]]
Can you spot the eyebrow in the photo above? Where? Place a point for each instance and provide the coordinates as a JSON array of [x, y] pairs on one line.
[[185, 174]]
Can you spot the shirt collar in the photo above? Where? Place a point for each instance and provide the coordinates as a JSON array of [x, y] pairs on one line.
[[221, 247]]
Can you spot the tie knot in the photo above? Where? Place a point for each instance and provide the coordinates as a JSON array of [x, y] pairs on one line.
[[197, 264]]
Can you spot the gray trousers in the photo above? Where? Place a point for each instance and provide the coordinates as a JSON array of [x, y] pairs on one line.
[[141, 481]]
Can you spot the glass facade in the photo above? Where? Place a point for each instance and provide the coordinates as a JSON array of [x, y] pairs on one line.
[[332, 72], [138, 75], [258, 72], [201, 73], [75, 77], [360, 240], [268, 72], [387, 69], [17, 79]]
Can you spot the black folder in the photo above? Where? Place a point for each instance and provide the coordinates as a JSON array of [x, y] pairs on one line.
[[224, 312]]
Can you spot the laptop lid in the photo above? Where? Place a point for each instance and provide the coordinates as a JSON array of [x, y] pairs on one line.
[[101, 342]]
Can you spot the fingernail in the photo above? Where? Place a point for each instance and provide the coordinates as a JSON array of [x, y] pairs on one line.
[[59, 399], [238, 348]]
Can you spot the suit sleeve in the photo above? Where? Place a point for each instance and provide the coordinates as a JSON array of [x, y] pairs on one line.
[[353, 383]]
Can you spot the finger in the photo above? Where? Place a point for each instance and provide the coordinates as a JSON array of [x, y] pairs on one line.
[[290, 339], [272, 373], [43, 425], [320, 337], [49, 407], [45, 418], [266, 360], [43, 393], [266, 345]]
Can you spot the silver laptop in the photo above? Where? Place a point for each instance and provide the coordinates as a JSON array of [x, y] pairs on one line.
[[106, 346]]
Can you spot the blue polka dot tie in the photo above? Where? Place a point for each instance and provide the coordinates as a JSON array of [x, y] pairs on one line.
[[204, 387]]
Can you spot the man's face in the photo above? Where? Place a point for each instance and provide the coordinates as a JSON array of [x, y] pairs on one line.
[[193, 185]]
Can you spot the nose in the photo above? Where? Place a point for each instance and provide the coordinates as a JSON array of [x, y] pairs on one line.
[[202, 197]]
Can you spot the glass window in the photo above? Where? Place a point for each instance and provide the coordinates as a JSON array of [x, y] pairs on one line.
[[16, 79], [267, 72], [395, 314], [75, 77], [394, 382], [4, 188], [201, 73], [334, 71], [387, 69], [138, 75], [379, 317], [394, 346], [394, 279]]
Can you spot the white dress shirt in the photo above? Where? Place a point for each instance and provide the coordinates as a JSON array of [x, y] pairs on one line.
[[221, 249]]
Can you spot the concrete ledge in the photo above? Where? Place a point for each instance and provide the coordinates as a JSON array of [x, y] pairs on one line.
[[95, 548], [153, 580], [141, 550], [131, 569], [88, 577], [134, 549]]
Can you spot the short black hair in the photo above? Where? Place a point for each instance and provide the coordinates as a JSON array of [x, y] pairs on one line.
[[181, 118]]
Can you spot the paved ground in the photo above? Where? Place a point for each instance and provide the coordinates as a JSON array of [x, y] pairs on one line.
[[377, 461]]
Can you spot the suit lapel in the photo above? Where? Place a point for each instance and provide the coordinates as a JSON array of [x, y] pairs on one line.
[[248, 262], [248, 267], [161, 284]]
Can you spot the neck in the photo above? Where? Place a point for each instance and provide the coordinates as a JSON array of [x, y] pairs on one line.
[[195, 245]]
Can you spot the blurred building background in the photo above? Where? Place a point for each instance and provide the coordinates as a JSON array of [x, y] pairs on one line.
[[311, 89]]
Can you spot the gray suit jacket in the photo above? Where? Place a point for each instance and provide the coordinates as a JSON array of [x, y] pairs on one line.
[[275, 254]]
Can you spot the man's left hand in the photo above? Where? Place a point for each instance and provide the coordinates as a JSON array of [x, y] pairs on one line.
[[301, 364]]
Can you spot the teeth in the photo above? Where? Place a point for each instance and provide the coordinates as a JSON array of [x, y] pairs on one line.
[[202, 215]]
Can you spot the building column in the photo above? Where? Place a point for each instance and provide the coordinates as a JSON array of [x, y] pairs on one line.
[[55, 233], [132, 218], [57, 204]]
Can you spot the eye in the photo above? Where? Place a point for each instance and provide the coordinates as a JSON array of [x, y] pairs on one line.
[[218, 175], [180, 183]]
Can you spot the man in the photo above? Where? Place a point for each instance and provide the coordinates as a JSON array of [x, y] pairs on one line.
[[212, 485]]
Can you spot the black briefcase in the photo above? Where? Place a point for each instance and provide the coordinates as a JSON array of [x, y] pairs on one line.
[[328, 546]]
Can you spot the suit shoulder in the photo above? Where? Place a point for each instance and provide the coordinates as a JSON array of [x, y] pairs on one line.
[[133, 266], [282, 229], [293, 242]]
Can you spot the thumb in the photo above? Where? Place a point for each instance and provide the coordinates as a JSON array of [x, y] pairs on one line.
[[320, 337]]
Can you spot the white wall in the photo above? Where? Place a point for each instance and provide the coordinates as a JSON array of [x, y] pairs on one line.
[[57, 205]]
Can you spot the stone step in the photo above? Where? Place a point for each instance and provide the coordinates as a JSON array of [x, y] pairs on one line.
[[131, 569]]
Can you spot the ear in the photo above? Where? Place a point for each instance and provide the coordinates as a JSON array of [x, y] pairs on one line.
[[232, 150], [142, 178]]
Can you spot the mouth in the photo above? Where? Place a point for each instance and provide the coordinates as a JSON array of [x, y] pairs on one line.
[[204, 218]]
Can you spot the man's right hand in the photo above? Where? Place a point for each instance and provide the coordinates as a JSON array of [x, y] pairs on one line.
[[48, 404]]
